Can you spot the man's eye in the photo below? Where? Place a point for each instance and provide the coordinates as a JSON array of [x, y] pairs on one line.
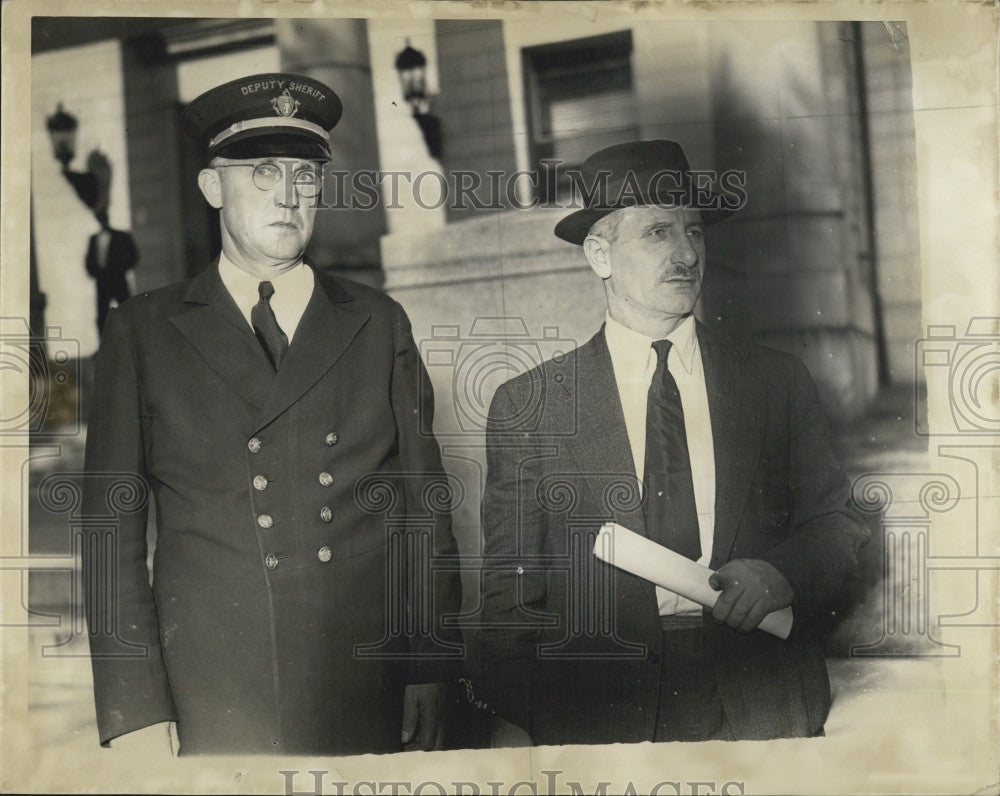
[[306, 177], [268, 171], [697, 233]]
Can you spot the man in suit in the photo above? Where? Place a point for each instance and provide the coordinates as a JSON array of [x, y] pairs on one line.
[[111, 254], [280, 418], [714, 448]]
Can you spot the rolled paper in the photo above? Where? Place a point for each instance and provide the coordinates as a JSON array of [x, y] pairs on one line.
[[625, 549]]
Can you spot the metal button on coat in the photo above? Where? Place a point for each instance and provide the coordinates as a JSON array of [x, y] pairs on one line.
[[271, 562], [324, 554], [325, 479], [265, 521], [332, 438], [254, 445], [259, 483], [326, 514]]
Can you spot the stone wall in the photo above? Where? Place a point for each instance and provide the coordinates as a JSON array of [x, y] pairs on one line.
[[62, 223], [794, 269], [488, 298], [792, 266]]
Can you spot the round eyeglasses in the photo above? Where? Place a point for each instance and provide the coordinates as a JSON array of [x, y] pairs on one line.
[[307, 180]]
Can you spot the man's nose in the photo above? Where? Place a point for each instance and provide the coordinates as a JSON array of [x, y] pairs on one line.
[[286, 193], [684, 254]]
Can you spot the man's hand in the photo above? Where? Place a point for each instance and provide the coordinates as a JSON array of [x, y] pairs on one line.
[[506, 734], [422, 724], [751, 589]]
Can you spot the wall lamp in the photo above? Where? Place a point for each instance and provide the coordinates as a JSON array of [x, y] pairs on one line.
[[411, 64], [93, 185]]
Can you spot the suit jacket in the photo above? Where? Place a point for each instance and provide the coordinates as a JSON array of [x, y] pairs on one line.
[[121, 257], [570, 646], [288, 508]]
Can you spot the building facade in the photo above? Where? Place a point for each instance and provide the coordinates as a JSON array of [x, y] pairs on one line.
[[823, 260]]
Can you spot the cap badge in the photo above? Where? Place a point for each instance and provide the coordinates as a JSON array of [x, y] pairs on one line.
[[285, 104]]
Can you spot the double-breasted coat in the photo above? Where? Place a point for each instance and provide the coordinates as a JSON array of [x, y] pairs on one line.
[[570, 648], [284, 613]]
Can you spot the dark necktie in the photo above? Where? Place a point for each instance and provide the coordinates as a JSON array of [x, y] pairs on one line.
[[265, 326], [671, 514]]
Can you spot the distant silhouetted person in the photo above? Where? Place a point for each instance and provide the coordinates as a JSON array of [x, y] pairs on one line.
[[110, 255]]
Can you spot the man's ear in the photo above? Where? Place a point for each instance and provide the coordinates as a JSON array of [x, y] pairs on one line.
[[597, 251], [211, 187]]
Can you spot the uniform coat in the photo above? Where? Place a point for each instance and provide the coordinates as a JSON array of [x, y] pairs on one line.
[[570, 647], [271, 563]]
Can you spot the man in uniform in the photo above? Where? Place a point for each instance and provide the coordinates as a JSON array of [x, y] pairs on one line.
[[264, 402], [712, 447]]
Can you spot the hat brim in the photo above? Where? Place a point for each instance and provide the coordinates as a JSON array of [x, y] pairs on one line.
[[276, 142], [575, 227]]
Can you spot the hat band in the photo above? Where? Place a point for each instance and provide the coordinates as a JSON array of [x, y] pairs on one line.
[[279, 121]]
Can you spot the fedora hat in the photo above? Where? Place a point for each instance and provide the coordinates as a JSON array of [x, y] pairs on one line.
[[640, 173]]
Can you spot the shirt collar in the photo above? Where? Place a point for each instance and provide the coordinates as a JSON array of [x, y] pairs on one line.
[[622, 339], [244, 286]]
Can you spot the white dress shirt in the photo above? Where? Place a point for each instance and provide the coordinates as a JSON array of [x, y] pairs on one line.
[[103, 244], [292, 291], [634, 361]]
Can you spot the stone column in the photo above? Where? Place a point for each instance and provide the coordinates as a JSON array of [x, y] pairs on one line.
[[335, 51], [792, 268], [172, 245]]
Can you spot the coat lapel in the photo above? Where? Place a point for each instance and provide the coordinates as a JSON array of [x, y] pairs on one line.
[[328, 326], [736, 408], [212, 323], [600, 444], [737, 415]]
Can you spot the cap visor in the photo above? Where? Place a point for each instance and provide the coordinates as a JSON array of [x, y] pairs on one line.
[[263, 144]]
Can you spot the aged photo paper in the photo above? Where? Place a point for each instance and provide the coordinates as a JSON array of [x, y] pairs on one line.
[[867, 138]]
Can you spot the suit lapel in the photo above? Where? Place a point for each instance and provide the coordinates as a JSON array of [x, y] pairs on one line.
[[212, 323], [737, 416], [328, 326], [600, 444]]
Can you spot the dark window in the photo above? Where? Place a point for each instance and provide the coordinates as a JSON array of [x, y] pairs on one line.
[[580, 99]]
